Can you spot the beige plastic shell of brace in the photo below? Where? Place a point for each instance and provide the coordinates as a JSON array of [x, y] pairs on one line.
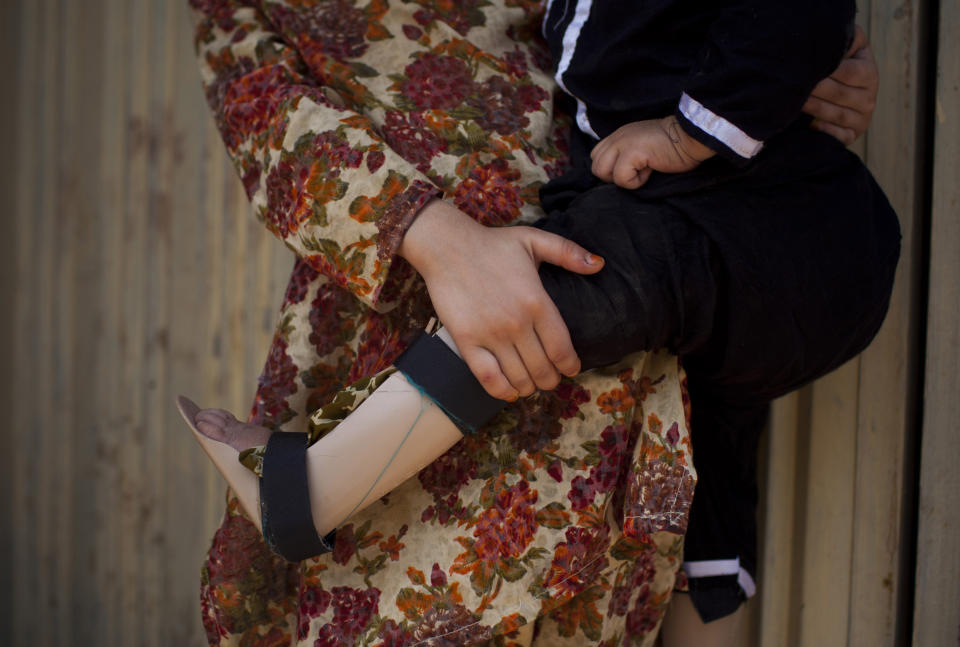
[[392, 435]]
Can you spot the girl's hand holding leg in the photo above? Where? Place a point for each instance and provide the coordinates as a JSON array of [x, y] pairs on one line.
[[485, 288]]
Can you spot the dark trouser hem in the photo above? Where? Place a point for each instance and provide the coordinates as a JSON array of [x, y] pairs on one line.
[[715, 597]]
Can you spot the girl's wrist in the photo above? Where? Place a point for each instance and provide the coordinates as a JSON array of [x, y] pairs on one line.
[[434, 232]]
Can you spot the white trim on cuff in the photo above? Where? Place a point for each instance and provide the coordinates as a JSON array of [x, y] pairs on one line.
[[568, 45], [715, 567], [716, 126]]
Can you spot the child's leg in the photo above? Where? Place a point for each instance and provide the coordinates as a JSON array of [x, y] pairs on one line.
[[682, 626], [794, 282], [390, 437]]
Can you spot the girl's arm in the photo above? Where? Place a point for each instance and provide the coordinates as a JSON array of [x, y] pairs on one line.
[[318, 174]]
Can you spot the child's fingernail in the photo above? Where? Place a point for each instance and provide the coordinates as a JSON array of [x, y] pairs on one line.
[[592, 259], [514, 397]]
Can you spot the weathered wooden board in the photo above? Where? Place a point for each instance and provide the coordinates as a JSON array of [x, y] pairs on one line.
[[835, 563], [888, 396], [936, 618], [135, 272]]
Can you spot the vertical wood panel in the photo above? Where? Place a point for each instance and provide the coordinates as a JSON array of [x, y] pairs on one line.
[[888, 376], [46, 271], [10, 30], [937, 610], [779, 482], [81, 198], [108, 427], [853, 494], [828, 527]]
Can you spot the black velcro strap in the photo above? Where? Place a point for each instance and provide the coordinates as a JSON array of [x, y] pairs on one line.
[[285, 500], [446, 379]]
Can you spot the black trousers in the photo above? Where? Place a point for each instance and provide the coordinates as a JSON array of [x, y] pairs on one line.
[[762, 278]]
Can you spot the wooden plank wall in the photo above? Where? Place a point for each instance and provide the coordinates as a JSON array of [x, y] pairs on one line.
[[132, 271], [139, 274], [937, 615], [836, 565]]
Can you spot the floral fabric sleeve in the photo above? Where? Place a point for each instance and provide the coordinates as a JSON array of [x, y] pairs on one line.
[[318, 174]]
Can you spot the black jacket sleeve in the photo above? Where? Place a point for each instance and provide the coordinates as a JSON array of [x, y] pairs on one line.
[[759, 64]]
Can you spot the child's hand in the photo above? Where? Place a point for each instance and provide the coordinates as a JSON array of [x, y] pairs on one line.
[[628, 155]]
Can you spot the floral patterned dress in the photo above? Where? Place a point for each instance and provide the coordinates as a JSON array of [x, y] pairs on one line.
[[559, 523]]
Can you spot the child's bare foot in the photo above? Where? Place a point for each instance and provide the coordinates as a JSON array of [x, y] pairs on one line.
[[222, 426]]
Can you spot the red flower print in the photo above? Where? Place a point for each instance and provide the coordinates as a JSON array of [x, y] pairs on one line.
[[582, 491], [570, 395], [287, 204], [352, 611], [412, 32], [578, 561], [338, 29], [437, 577], [239, 561], [437, 82], [352, 608], [644, 616], [345, 545], [555, 470], [380, 344], [450, 472], [251, 178], [308, 177], [450, 627], [332, 318], [506, 529], [254, 101], [410, 136], [236, 546], [275, 385], [313, 602], [392, 635], [220, 11], [301, 278], [660, 495], [637, 576], [673, 434], [489, 194], [504, 105], [516, 62], [375, 160], [461, 15]]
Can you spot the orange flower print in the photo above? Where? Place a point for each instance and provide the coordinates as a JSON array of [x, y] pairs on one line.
[[616, 401]]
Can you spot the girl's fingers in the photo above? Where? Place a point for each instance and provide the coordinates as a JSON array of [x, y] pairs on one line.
[[536, 363], [485, 367], [515, 370], [555, 339]]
